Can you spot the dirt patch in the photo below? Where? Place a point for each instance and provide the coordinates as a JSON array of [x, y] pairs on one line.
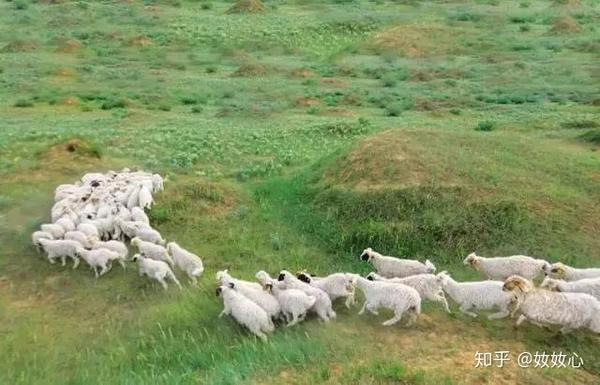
[[20, 46], [64, 45], [333, 82], [303, 73], [140, 41], [247, 6], [250, 70], [565, 25], [566, 3], [415, 41], [69, 101], [65, 72], [338, 112], [307, 102]]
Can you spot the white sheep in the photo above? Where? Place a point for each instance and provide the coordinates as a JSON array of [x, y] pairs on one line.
[[322, 306], [138, 215], [129, 228], [337, 285], [294, 304], [245, 311], [259, 296], [99, 260], [429, 286], [223, 277], [157, 183], [150, 235], [118, 247], [37, 235], [561, 271], [145, 198], [479, 295], [390, 267], [62, 249], [500, 268], [186, 261], [395, 296], [57, 231], [157, 270], [152, 251], [89, 230], [590, 286], [546, 308], [85, 240], [66, 223]]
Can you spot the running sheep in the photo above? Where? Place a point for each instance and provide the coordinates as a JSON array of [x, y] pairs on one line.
[[546, 308], [500, 268], [479, 295], [188, 262], [118, 247], [62, 249], [390, 267], [223, 277], [400, 298], [36, 236], [337, 285], [561, 271], [152, 251], [244, 311], [99, 260], [322, 306], [259, 296], [294, 304], [590, 286], [156, 270], [429, 286]]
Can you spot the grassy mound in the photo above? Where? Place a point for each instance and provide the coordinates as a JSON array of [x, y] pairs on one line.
[[592, 136], [565, 25], [247, 6]]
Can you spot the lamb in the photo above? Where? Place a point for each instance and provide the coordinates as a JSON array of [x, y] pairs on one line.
[[98, 259], [56, 230], [294, 303], [338, 285], [37, 235], [186, 261], [259, 296], [138, 215], [62, 249], [85, 240], [546, 308], [500, 268], [429, 286], [322, 306], [157, 270], [390, 267], [396, 296], [590, 286], [223, 277], [89, 230], [152, 251], [244, 311], [116, 246], [568, 273], [150, 235], [480, 295]]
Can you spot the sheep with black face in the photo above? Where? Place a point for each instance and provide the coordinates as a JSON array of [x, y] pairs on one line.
[[390, 267]]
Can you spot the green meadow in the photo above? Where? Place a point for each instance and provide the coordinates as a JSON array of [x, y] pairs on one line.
[[294, 135]]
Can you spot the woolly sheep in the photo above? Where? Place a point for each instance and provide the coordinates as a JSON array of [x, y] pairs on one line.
[[156, 270], [85, 240], [545, 308], [479, 295], [62, 249], [259, 296], [224, 277], [294, 304], [88, 229], [116, 246], [337, 285], [37, 235], [395, 296], [244, 311], [145, 198], [152, 251], [561, 271], [66, 223], [150, 235], [157, 183], [500, 268], [129, 228], [99, 260], [390, 267], [429, 286], [590, 286], [186, 261], [138, 215], [57, 231], [322, 306]]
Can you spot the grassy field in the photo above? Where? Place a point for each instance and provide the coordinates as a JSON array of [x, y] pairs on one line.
[[294, 138]]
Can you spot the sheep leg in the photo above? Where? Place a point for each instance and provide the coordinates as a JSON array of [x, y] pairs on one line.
[[104, 270], [63, 260], [372, 309], [362, 310], [51, 259], [465, 309], [193, 279], [260, 335], [521, 319], [350, 300], [295, 320], [174, 279], [96, 271], [393, 320], [412, 318], [75, 263], [162, 282], [440, 297], [122, 263], [501, 314], [565, 329]]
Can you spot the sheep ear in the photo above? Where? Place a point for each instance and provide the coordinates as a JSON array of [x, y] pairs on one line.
[[231, 285]]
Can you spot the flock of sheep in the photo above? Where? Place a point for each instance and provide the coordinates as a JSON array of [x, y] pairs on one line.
[[94, 217]]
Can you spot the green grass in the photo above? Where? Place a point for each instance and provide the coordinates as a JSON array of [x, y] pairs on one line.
[[294, 139]]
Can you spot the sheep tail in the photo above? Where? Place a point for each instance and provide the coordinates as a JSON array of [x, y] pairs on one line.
[[430, 266]]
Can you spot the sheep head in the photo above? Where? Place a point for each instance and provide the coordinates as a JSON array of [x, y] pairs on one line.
[[366, 255], [517, 284], [550, 284], [304, 277], [471, 260], [558, 270]]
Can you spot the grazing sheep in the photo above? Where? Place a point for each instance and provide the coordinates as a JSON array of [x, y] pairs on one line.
[[500, 268], [480, 295], [589, 286], [294, 304], [568, 273], [390, 267], [395, 296], [322, 306], [337, 285], [116, 246], [152, 251], [546, 308], [57, 231], [62, 249], [150, 235], [259, 296], [85, 240], [99, 260], [37, 235], [138, 215], [157, 270], [429, 286], [245, 311], [89, 230], [186, 261], [223, 277]]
